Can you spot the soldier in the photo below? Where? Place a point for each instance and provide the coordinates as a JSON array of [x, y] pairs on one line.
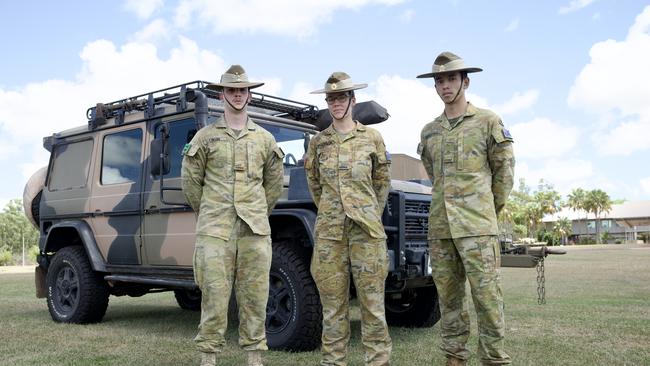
[[232, 178], [348, 172], [467, 153]]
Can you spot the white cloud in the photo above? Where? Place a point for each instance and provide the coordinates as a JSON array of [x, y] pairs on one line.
[[272, 85], [518, 102], [107, 74], [542, 138], [645, 185], [407, 16], [157, 29], [564, 174], [574, 5], [614, 84], [411, 105], [289, 18], [625, 138], [143, 8], [514, 24]]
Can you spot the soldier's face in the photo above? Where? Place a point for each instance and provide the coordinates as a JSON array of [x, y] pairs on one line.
[[338, 104], [447, 85], [238, 97]]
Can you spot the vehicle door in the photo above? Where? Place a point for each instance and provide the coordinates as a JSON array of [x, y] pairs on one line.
[[115, 204], [168, 228]]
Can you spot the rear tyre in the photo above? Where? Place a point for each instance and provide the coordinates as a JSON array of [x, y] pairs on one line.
[[75, 293], [293, 312], [188, 299], [418, 308]]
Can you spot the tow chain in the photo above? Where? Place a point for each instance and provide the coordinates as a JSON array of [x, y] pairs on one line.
[[541, 283]]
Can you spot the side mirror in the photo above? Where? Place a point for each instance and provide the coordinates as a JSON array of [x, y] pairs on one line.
[[159, 157]]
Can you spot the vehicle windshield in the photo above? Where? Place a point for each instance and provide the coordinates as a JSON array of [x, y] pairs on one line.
[[293, 142]]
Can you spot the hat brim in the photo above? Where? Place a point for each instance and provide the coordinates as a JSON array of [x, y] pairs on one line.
[[220, 86], [465, 69], [353, 87]]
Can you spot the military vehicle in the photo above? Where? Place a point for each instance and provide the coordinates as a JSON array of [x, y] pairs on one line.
[[113, 220]]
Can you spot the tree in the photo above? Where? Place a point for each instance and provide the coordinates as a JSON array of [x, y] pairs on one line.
[[563, 228], [525, 211], [598, 202], [15, 228], [576, 199]]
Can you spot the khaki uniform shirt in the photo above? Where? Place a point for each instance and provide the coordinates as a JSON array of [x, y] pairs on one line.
[[226, 176], [471, 167], [348, 176]]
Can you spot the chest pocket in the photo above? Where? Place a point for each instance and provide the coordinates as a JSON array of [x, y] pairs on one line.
[[472, 149], [327, 161], [362, 161], [220, 156], [255, 160]]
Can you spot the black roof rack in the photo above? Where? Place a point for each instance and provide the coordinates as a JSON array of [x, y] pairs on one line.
[[178, 95]]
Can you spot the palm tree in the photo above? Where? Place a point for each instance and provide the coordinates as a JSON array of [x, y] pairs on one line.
[[563, 227], [576, 199], [598, 202], [576, 202]]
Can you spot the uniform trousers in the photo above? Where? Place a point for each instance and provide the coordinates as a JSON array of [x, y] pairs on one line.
[[366, 259], [478, 260], [244, 259]]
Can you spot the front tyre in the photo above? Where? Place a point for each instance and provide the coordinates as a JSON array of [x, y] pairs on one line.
[[417, 308], [293, 313], [75, 293], [188, 299]]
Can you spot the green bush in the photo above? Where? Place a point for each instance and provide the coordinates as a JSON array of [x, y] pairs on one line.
[[6, 258], [31, 254], [586, 240]]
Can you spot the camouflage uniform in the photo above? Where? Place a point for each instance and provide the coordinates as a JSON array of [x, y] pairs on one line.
[[232, 181], [349, 179], [471, 167]]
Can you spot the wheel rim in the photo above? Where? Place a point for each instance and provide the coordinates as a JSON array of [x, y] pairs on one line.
[[402, 305], [280, 307], [66, 294]]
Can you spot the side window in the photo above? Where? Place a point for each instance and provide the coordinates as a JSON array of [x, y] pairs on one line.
[[180, 133], [121, 157], [70, 165]]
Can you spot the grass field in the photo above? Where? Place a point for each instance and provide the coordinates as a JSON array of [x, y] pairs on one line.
[[597, 313]]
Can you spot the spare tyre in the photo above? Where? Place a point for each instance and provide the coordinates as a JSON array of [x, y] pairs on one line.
[[32, 195]]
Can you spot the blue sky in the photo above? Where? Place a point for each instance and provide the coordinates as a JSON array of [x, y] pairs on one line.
[[570, 78]]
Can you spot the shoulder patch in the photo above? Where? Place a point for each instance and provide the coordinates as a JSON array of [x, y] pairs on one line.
[[507, 134], [420, 148], [186, 148]]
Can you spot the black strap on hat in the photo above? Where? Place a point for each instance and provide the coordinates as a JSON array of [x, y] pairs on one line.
[[232, 106], [346, 108]]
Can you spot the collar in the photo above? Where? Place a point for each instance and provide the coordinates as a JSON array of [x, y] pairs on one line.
[[469, 111], [250, 126], [360, 127]]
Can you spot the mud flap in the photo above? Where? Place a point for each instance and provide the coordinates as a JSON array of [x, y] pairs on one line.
[[39, 279]]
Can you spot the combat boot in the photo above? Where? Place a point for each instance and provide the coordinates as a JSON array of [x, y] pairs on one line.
[[453, 361], [208, 359], [255, 358]]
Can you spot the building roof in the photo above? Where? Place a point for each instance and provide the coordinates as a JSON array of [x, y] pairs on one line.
[[632, 213]]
